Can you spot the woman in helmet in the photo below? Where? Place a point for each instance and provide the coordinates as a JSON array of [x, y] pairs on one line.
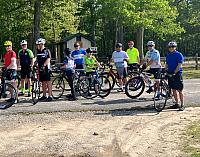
[[174, 61], [43, 60]]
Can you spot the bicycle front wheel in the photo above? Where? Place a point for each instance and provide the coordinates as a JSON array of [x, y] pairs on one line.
[[160, 98], [58, 87], [134, 87], [105, 86], [35, 91], [8, 95]]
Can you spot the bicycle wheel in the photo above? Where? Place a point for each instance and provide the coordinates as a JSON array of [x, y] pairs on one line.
[[111, 78], [134, 87], [35, 91], [8, 95], [105, 86], [89, 88], [58, 87], [161, 97]]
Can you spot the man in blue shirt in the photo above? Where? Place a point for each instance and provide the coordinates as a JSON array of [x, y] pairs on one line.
[[174, 61]]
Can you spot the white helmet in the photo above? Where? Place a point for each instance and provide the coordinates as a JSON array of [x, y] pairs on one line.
[[172, 44], [150, 43], [40, 41], [23, 42]]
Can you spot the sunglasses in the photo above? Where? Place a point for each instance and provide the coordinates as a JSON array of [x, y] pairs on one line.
[[76, 45], [8, 46], [172, 46], [149, 45]]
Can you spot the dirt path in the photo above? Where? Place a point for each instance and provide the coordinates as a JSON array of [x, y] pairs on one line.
[[123, 133]]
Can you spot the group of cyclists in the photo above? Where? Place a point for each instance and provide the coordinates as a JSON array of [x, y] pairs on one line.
[[84, 59]]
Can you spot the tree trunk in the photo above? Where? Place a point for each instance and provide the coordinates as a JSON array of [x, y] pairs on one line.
[[36, 27], [140, 41]]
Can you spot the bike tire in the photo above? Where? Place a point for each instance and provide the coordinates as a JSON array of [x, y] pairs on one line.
[[105, 86], [6, 95], [159, 104], [58, 87], [134, 87], [111, 79], [35, 91], [89, 90]]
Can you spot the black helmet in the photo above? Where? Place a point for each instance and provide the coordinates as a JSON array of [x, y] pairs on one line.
[[89, 50], [67, 51], [118, 45]]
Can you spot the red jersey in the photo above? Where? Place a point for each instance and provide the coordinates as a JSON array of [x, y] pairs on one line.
[[7, 57]]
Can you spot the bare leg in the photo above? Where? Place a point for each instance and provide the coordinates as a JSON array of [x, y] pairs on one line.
[[175, 95], [181, 97], [44, 88], [49, 86], [22, 85]]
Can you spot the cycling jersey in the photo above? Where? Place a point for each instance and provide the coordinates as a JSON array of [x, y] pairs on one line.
[[78, 56], [133, 55], [172, 61], [25, 57], [69, 62], [42, 56], [153, 55], [90, 63], [8, 57]]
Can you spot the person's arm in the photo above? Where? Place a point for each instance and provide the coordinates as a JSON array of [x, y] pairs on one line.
[[48, 59], [178, 68], [13, 62]]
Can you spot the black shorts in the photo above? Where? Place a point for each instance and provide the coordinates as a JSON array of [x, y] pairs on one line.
[[176, 82], [133, 67], [156, 72], [25, 72], [45, 75], [80, 67], [10, 74]]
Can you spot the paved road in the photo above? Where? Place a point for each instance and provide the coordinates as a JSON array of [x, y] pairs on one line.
[[114, 101]]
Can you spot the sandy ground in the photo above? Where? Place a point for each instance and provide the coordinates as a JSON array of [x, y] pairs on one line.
[[119, 133]]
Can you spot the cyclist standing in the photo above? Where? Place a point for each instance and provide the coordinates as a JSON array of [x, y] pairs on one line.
[[78, 56], [69, 71], [43, 60], [25, 58], [174, 61], [120, 59], [10, 64], [152, 59], [134, 56]]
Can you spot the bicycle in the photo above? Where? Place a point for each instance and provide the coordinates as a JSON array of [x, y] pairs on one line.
[[135, 86], [8, 92], [164, 93]]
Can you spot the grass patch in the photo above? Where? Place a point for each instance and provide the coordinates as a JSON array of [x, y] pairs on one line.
[[192, 143], [191, 73]]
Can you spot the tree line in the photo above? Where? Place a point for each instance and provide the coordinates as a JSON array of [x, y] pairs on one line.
[[104, 21]]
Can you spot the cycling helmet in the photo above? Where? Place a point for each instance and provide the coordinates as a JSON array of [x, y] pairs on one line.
[[172, 44], [67, 51], [118, 45], [7, 43], [40, 41], [23, 42], [150, 43]]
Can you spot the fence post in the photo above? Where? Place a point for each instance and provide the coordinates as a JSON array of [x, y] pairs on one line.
[[196, 61]]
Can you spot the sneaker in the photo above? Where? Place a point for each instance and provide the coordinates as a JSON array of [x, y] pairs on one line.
[[21, 94], [181, 108], [175, 106], [49, 99], [29, 94], [157, 97], [89, 94], [43, 98], [10, 100], [72, 99], [149, 90], [16, 101], [120, 90]]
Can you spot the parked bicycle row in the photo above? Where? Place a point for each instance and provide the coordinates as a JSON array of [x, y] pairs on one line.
[[79, 74]]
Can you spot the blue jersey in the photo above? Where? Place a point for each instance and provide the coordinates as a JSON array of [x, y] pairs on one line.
[[172, 61], [78, 56]]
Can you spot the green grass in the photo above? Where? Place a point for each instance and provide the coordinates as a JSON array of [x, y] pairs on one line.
[[190, 73], [192, 143]]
